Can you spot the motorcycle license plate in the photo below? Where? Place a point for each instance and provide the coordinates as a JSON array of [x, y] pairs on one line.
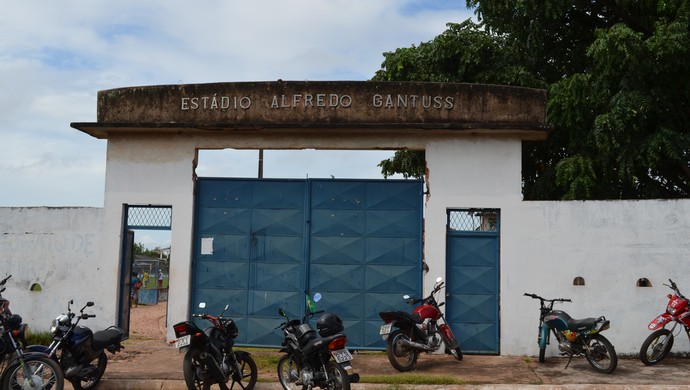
[[183, 342], [385, 329], [341, 355]]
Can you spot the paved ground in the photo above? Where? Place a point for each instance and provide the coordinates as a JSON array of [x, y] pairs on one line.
[[149, 363]]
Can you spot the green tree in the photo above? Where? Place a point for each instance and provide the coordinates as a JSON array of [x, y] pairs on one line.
[[140, 249], [463, 53], [618, 77]]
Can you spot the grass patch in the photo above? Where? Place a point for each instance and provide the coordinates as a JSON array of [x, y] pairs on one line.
[[266, 362], [411, 379], [39, 338]]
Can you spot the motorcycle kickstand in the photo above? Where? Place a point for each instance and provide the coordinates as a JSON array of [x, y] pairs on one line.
[[567, 364]]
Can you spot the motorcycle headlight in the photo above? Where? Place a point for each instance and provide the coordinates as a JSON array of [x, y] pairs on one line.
[[59, 321], [671, 310], [53, 326]]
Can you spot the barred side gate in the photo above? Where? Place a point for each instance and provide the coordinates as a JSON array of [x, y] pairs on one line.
[[135, 217]]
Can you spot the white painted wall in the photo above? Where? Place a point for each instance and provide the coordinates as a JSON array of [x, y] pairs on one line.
[[60, 249], [545, 245], [75, 252], [611, 244]]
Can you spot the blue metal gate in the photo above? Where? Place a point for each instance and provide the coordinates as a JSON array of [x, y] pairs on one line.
[[473, 278], [261, 244]]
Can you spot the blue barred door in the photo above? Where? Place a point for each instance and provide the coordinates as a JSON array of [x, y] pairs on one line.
[[473, 279], [261, 244]]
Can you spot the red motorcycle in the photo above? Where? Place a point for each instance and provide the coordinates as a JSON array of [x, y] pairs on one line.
[[423, 330], [659, 343]]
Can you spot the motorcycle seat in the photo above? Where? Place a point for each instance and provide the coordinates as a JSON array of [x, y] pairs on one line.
[[316, 343], [104, 338], [582, 324], [414, 317]]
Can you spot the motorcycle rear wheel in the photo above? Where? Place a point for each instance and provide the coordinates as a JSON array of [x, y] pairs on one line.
[[289, 373], [100, 362], [193, 368], [600, 354], [44, 370], [660, 341], [197, 377], [338, 377], [402, 359]]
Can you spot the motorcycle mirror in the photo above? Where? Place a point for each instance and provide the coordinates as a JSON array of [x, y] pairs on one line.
[[317, 297], [202, 305], [439, 279], [71, 302], [226, 307], [281, 312], [406, 296], [89, 303]]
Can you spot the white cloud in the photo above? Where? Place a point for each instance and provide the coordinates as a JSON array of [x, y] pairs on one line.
[[55, 56]]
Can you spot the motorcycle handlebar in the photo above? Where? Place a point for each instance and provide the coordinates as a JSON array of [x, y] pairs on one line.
[[2, 282], [535, 296], [674, 287]]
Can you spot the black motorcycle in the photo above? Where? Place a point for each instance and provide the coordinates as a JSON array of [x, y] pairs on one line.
[[26, 369], [210, 358], [575, 337], [79, 351], [307, 361]]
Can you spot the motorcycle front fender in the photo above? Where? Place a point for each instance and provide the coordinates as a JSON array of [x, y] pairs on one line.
[[543, 336], [38, 348], [32, 355], [448, 336], [660, 321]]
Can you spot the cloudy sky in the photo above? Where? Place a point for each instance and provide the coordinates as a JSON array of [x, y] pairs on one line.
[[56, 55]]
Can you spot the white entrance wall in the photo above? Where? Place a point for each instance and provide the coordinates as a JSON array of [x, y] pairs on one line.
[[75, 252], [154, 170]]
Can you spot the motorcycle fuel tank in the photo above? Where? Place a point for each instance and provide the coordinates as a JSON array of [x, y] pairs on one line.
[[557, 319], [427, 311], [81, 335]]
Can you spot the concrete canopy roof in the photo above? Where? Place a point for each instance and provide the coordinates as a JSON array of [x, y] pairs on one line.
[[318, 107]]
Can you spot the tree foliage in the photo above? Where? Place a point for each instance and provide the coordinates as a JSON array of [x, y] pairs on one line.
[[140, 249], [618, 77]]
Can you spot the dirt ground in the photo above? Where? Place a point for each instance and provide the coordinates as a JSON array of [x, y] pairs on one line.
[[147, 356]]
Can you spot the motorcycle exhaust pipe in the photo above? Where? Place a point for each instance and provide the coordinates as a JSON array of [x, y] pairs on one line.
[[213, 367], [412, 345], [354, 378]]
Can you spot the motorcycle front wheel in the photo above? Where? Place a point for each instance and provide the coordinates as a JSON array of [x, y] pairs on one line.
[[401, 358], [655, 347], [456, 352], [289, 373], [99, 364], [43, 372], [600, 354]]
